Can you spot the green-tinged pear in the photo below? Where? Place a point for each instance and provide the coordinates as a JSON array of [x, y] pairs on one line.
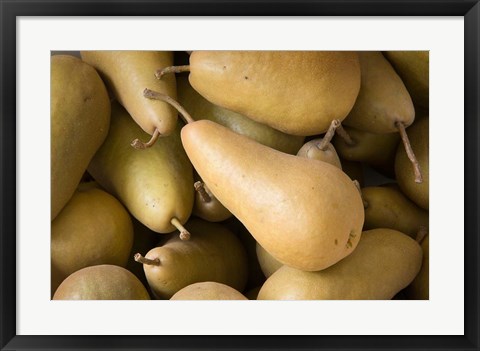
[[93, 228], [155, 184], [127, 73], [208, 291], [213, 253], [384, 262], [101, 282], [200, 108], [79, 120]]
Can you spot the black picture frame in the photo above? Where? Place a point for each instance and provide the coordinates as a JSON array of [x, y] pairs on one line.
[[10, 10]]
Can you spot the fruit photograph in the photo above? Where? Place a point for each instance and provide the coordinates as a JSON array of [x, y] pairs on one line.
[[239, 175]]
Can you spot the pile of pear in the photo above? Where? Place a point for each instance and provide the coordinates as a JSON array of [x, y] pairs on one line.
[[239, 175]]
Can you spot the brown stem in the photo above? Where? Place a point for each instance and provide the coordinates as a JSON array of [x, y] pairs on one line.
[[323, 144], [150, 94], [345, 136], [200, 187], [184, 233], [171, 69], [411, 155], [421, 234], [140, 145], [139, 258]]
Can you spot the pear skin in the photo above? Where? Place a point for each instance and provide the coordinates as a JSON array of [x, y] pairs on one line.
[[307, 214], [376, 150], [200, 108], [296, 92], [413, 68], [212, 254], [383, 99], [267, 262], [419, 288], [384, 262], [101, 282], [419, 138], [208, 291], [155, 184], [387, 207], [93, 228], [80, 116], [127, 73], [255, 274], [206, 205]]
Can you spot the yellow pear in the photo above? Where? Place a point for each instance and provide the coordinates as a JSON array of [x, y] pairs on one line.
[[383, 99], [384, 262], [413, 68], [200, 108], [93, 228], [419, 288], [267, 262], [79, 120], [212, 254], [296, 92], [208, 291], [387, 207], [101, 282], [375, 150], [127, 73], [307, 214]]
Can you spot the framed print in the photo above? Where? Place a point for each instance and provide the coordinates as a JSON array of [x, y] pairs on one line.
[[34, 31]]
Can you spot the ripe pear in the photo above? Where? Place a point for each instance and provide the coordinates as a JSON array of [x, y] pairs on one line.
[[127, 73], [296, 92], [413, 68], [307, 214], [101, 282], [208, 291], [387, 207], [155, 184], [200, 108], [144, 240], [267, 262], [383, 99], [384, 262], [383, 104], [206, 205], [212, 254], [375, 150], [418, 193], [419, 288], [79, 120], [321, 148], [93, 228]]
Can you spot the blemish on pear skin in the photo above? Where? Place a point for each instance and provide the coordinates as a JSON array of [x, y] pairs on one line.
[[350, 237], [336, 242]]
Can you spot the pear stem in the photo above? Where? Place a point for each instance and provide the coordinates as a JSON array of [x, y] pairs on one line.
[[323, 144], [150, 94], [200, 187], [411, 155], [139, 258], [140, 145], [345, 136], [171, 69], [184, 233], [421, 234]]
